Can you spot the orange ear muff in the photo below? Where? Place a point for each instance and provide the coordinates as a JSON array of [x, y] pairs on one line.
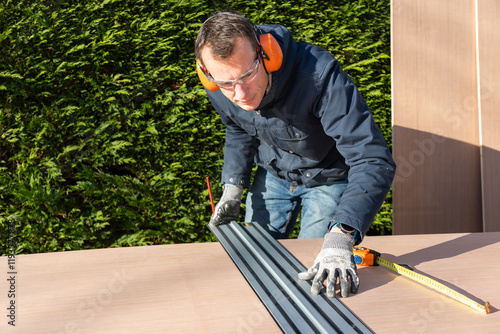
[[203, 78], [273, 51]]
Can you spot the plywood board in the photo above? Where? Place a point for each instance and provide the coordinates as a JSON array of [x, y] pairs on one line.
[[488, 34], [390, 303], [191, 288], [435, 117], [195, 288]]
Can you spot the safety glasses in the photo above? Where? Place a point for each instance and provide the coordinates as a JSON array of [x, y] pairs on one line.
[[242, 79]]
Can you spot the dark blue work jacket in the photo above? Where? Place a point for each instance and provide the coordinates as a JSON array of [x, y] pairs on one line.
[[313, 127]]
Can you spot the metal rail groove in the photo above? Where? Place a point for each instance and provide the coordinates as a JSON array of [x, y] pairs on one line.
[[272, 273]]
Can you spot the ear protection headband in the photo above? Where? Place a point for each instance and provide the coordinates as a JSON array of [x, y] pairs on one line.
[[271, 54]]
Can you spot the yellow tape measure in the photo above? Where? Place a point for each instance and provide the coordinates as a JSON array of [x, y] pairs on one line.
[[365, 256]]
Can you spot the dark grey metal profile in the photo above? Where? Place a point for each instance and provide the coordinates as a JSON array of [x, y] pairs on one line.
[[272, 273]]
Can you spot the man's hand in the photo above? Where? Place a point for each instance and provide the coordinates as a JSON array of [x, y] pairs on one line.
[[335, 260], [228, 207]]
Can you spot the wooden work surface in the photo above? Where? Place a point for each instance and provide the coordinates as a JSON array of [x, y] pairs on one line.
[[195, 288]]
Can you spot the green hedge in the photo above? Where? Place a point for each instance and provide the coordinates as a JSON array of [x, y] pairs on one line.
[[106, 136]]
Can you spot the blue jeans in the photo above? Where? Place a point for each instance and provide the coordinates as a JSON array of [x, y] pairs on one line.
[[275, 204]]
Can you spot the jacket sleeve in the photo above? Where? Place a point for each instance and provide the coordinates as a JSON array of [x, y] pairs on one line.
[[239, 150], [346, 117]]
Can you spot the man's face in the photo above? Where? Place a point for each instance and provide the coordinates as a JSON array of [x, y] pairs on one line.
[[249, 94]]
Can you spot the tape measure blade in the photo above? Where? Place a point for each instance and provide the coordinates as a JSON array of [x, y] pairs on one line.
[[433, 284]]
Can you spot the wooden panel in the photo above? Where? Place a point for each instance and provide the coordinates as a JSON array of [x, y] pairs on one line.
[[195, 288], [191, 288], [393, 304], [489, 74], [435, 117]]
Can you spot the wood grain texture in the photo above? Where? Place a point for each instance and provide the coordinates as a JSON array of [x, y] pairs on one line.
[[437, 187], [195, 288]]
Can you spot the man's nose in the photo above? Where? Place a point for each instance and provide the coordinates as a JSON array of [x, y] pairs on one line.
[[240, 91]]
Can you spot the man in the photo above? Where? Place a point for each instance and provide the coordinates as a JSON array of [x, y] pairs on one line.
[[290, 108]]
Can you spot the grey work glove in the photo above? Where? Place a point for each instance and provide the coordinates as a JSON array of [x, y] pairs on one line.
[[228, 207], [335, 260]]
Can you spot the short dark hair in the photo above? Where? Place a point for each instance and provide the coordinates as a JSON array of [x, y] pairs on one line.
[[220, 32]]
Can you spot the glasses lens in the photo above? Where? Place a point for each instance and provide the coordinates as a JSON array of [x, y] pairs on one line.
[[225, 84], [242, 79]]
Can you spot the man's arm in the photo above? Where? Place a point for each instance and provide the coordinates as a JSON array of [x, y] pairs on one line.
[[346, 117], [239, 151], [240, 146]]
